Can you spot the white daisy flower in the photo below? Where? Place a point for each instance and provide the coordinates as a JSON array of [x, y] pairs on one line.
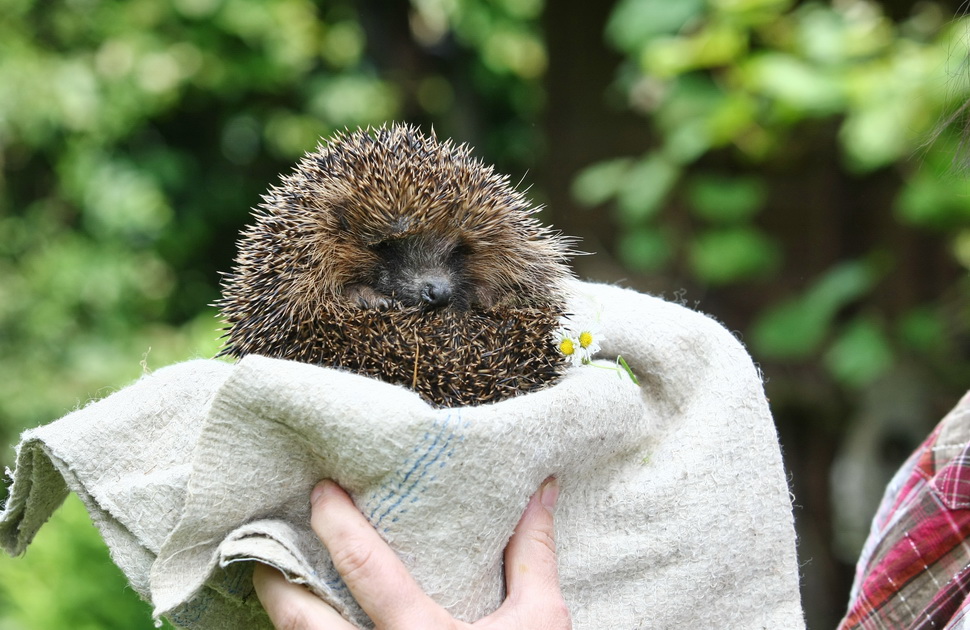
[[570, 347], [589, 340]]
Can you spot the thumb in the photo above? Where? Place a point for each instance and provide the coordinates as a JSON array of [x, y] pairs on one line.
[[531, 570]]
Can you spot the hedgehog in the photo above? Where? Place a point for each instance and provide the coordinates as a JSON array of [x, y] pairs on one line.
[[388, 253]]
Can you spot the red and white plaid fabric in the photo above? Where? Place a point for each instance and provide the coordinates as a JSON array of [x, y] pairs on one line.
[[914, 572]]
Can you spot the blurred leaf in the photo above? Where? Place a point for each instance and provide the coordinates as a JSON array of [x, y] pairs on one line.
[[289, 136], [729, 255], [922, 329], [734, 120], [343, 44], [930, 199], [240, 140], [721, 199], [691, 98], [876, 136], [645, 187], [860, 354], [752, 12], [827, 35], [686, 115], [688, 141], [645, 249], [352, 99], [515, 50], [634, 22], [715, 45], [117, 198], [795, 329], [599, 183], [961, 247], [800, 87], [842, 284], [529, 9], [821, 34]]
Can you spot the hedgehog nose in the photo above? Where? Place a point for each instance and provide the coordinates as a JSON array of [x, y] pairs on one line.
[[436, 292]]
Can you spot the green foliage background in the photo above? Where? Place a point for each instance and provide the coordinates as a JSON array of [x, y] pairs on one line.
[[787, 171]]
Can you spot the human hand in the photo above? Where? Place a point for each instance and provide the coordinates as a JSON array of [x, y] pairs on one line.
[[389, 595]]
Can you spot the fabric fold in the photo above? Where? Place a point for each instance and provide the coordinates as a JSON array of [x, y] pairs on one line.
[[674, 509]]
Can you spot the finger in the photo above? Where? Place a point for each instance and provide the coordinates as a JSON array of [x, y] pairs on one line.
[[531, 569], [371, 570], [292, 607]]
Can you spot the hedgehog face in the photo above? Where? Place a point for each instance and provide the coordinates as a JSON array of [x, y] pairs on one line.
[[406, 264], [456, 255], [422, 270]]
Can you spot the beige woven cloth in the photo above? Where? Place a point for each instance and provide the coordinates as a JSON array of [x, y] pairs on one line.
[[674, 510]]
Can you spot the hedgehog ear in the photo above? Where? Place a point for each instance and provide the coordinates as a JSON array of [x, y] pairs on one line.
[[400, 225]]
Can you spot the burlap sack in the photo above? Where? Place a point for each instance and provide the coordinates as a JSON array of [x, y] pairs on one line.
[[674, 510]]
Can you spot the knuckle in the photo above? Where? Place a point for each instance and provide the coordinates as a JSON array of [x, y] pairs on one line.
[[552, 614], [295, 617], [354, 561], [547, 612], [559, 617], [544, 539]]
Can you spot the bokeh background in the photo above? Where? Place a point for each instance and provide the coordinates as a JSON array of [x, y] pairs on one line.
[[791, 168]]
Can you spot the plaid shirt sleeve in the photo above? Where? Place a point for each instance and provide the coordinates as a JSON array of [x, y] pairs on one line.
[[914, 572]]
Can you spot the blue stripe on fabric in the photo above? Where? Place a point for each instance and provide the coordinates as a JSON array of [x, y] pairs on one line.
[[435, 448]]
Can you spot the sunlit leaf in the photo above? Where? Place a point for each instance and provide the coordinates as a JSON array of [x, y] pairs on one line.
[[645, 187], [798, 85], [515, 50], [343, 44], [688, 141], [876, 136], [829, 35], [633, 22], [352, 99], [716, 45], [690, 98], [752, 11], [734, 120], [600, 182]]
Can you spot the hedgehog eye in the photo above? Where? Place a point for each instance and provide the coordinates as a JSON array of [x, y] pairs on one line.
[[460, 252], [384, 247]]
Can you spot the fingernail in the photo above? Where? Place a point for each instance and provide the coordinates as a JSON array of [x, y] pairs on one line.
[[318, 491], [549, 493]]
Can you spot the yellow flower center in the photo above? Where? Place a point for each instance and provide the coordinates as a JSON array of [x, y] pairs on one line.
[[585, 339], [566, 346]]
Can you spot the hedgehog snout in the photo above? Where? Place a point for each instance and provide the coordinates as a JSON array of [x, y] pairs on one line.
[[422, 270], [435, 291], [424, 288]]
